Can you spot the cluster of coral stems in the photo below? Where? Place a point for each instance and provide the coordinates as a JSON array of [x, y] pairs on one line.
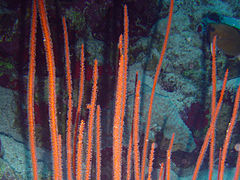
[[75, 154]]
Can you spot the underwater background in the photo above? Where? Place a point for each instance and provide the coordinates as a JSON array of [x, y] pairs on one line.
[[182, 101]]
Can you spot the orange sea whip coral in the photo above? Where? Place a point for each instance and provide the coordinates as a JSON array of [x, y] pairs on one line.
[[98, 143], [117, 118], [129, 153], [30, 93], [161, 171], [91, 108], [79, 151], [120, 101], [60, 156], [213, 105], [212, 124], [168, 163], [219, 162], [150, 166], [80, 97], [208, 135], [144, 154], [125, 57], [135, 132], [51, 85], [229, 133], [69, 87], [236, 176]]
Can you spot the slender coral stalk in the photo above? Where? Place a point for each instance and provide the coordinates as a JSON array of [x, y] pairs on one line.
[[60, 156], [168, 163], [91, 108], [80, 97], [229, 133], [129, 153], [213, 105], [117, 119], [161, 171], [219, 162], [125, 57], [135, 132], [69, 87], [208, 135], [98, 142], [79, 151], [51, 84], [30, 93], [144, 154], [236, 176], [150, 166]]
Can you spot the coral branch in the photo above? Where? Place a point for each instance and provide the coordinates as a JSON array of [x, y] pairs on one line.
[[168, 163], [117, 118], [129, 153], [144, 154], [236, 176], [208, 135], [125, 56], [135, 132], [215, 110], [79, 151], [51, 84], [80, 97], [69, 87], [229, 133], [213, 105], [150, 166], [161, 171], [30, 93], [219, 162], [91, 108], [98, 143], [60, 156]]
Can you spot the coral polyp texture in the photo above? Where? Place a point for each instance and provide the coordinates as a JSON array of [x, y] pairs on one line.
[[119, 89]]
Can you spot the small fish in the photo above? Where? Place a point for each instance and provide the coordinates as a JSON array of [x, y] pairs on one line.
[[228, 38]]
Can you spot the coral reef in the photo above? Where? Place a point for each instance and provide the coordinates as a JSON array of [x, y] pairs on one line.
[[182, 102]]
